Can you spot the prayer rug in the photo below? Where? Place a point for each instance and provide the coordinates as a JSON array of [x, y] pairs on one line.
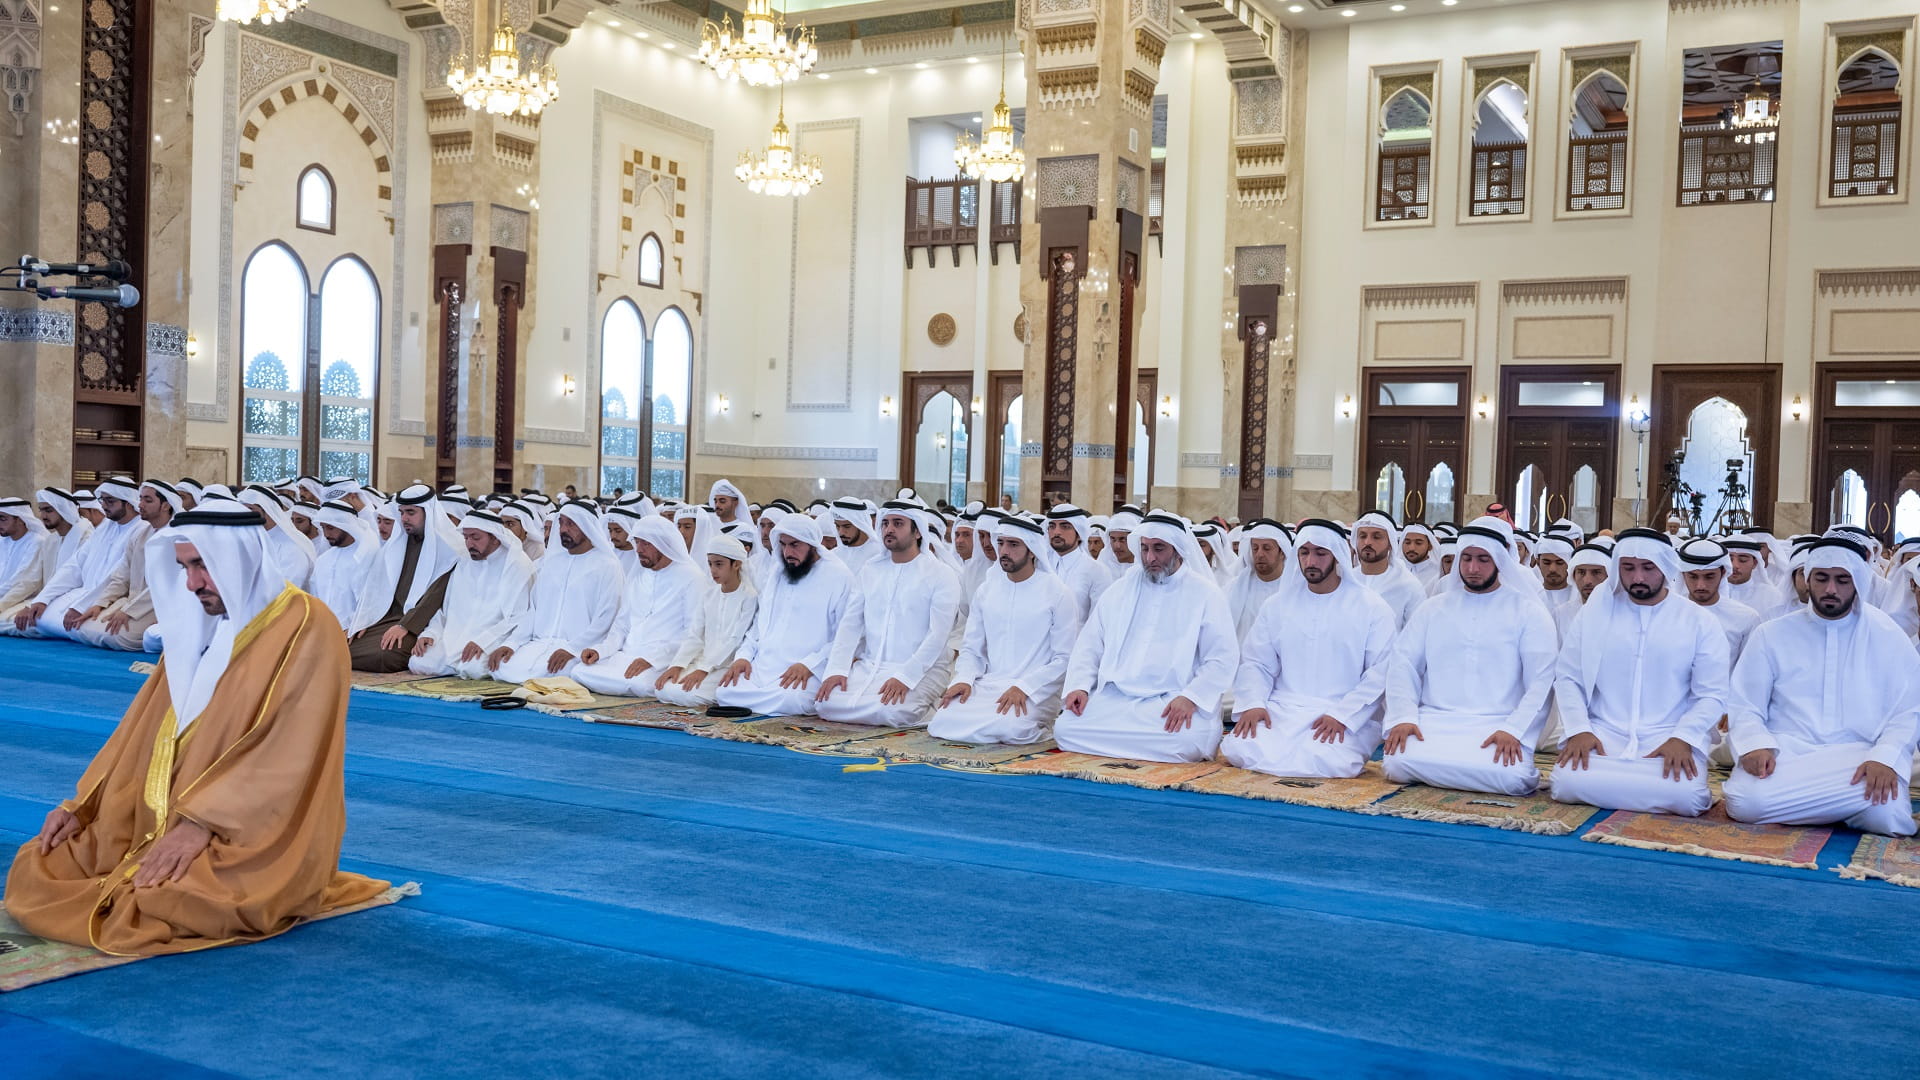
[[1337, 794], [600, 703], [914, 744], [27, 960], [654, 714], [792, 731], [1895, 859], [143, 667], [447, 688], [367, 680], [1715, 836], [1153, 775], [1521, 813]]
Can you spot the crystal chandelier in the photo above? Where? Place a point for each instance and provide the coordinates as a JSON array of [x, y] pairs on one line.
[[1755, 111], [251, 11], [764, 53], [995, 157], [499, 87], [779, 171]]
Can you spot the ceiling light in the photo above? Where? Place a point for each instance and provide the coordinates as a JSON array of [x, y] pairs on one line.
[[921, 66], [642, 34], [495, 83], [1196, 35], [613, 22], [995, 156], [1398, 7], [666, 45], [764, 53], [873, 71], [973, 59], [1348, 13], [246, 11], [977, 120], [1295, 8], [1448, 3], [779, 171], [824, 75]]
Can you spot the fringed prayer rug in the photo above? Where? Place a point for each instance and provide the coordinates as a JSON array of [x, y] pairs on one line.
[[914, 744], [1895, 859], [1153, 775], [1714, 836], [1336, 794], [1520, 813], [447, 688], [792, 731], [654, 714], [26, 960], [369, 680]]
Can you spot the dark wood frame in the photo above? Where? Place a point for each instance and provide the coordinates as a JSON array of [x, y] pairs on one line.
[[1002, 388], [1679, 388], [1608, 375], [1825, 376], [1146, 391], [1365, 410], [916, 389], [333, 201]]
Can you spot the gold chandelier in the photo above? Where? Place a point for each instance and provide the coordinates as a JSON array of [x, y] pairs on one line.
[[994, 157], [1753, 120], [263, 11], [779, 171], [764, 53], [499, 87]]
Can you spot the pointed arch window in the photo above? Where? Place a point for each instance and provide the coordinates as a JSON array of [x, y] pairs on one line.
[[1502, 119], [653, 261], [273, 348], [349, 369], [1864, 138], [314, 200], [1598, 144], [623, 353], [1405, 184]]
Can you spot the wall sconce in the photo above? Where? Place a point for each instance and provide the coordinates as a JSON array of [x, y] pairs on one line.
[[193, 345], [566, 386], [720, 402], [1637, 416], [1346, 407], [1483, 408], [886, 406], [1166, 406], [978, 406], [1798, 407]]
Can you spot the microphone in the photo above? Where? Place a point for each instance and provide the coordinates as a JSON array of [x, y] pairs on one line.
[[124, 296], [112, 268]]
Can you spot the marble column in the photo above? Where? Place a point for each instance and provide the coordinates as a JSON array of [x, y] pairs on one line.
[[1091, 70]]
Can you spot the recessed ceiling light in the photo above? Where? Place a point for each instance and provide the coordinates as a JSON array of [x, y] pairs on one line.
[[1398, 7], [642, 34], [666, 44], [973, 59], [921, 66], [1295, 8], [1196, 35], [1348, 13], [824, 75], [1448, 3], [976, 119], [873, 71], [613, 22]]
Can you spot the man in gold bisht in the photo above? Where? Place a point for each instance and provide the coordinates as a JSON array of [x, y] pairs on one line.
[[214, 812]]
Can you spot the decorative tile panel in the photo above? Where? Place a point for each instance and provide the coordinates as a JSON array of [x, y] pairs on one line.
[[1263, 265], [1067, 181]]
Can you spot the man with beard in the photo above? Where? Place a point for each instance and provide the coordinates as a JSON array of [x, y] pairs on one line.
[[1747, 581], [346, 573], [1417, 543], [1467, 687], [1066, 534], [664, 591], [29, 555], [60, 513], [1313, 668], [1704, 566], [1641, 683], [486, 594], [1824, 707], [1265, 548], [1552, 557], [1006, 683], [1378, 550], [573, 603], [1155, 658], [891, 652], [413, 571], [800, 610], [853, 524], [100, 596]]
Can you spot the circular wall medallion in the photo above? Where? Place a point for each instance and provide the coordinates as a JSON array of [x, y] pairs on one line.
[[1020, 328], [940, 329]]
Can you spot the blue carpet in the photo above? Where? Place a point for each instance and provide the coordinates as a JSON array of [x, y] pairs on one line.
[[621, 901]]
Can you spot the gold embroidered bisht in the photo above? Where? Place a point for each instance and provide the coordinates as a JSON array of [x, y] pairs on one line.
[[261, 769]]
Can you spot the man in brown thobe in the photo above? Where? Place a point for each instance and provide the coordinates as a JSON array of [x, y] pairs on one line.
[[213, 815], [416, 563]]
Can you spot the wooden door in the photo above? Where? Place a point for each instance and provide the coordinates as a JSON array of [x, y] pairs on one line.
[[1559, 426], [936, 429], [1867, 461], [1714, 412], [1414, 442]]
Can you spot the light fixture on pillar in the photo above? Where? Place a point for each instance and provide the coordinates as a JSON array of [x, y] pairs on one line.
[[1798, 407], [498, 86], [193, 349], [1637, 417], [261, 11], [764, 53], [721, 402], [1166, 406], [995, 157], [779, 171], [1483, 408], [886, 405], [566, 385], [1346, 406]]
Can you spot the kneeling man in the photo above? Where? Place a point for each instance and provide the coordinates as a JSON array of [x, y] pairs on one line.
[[664, 591], [1313, 668], [1642, 681], [777, 667], [172, 843], [1467, 686], [1823, 708], [1155, 657], [891, 654]]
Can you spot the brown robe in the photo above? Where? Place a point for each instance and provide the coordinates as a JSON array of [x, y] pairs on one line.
[[261, 769], [367, 652]]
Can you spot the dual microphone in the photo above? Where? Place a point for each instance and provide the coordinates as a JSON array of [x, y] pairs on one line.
[[123, 295]]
